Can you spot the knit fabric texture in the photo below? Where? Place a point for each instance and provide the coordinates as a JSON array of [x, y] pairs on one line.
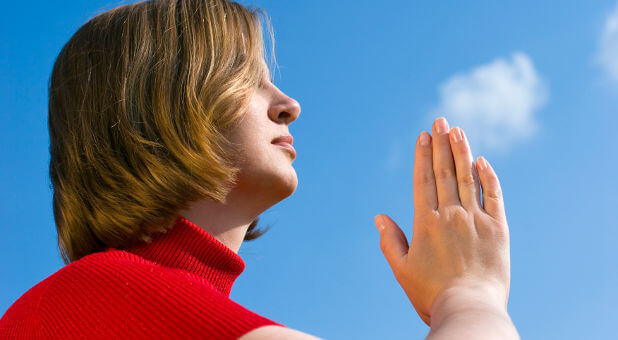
[[177, 286]]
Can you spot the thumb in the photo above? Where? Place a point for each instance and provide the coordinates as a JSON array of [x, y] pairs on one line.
[[393, 241]]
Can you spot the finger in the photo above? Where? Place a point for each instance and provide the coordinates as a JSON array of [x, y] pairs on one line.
[[426, 319], [393, 242], [493, 201], [468, 184], [443, 165], [424, 183]]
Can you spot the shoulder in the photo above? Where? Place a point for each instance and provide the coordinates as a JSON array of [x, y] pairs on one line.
[[120, 294], [23, 315]]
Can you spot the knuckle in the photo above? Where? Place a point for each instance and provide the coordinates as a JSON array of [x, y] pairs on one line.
[[459, 213], [475, 209], [424, 178], [491, 176], [493, 229], [494, 194], [467, 179], [455, 213], [444, 173], [432, 217], [425, 222]]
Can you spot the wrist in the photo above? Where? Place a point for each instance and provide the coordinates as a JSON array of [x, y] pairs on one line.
[[467, 298]]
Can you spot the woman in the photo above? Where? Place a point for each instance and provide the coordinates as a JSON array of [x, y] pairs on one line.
[[168, 140]]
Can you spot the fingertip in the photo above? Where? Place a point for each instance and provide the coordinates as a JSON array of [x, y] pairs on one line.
[[378, 220], [424, 138], [482, 163]]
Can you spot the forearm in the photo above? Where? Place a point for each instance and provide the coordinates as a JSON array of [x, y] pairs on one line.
[[467, 314]]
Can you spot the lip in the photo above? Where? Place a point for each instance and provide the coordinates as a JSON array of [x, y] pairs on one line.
[[284, 139], [288, 147]]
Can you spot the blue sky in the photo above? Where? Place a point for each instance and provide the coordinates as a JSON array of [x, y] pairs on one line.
[[533, 84]]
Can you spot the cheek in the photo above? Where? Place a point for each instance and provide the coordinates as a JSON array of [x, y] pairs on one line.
[[254, 133], [256, 146]]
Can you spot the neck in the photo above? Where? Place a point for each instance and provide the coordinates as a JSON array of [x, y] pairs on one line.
[[227, 222]]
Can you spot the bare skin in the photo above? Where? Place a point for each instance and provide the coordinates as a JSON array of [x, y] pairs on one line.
[[456, 270], [267, 175]]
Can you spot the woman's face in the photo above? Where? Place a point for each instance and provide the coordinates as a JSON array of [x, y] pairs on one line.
[[266, 168]]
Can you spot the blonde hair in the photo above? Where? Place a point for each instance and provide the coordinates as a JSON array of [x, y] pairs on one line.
[[140, 101]]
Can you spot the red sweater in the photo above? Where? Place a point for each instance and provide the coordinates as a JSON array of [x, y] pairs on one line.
[[178, 286]]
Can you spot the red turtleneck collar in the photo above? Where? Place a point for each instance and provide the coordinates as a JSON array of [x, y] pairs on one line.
[[103, 296], [188, 247]]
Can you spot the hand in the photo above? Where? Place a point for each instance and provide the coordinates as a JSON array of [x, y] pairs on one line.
[[457, 240]]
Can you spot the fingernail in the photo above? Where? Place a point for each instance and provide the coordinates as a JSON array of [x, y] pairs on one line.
[[424, 138], [456, 133], [482, 163], [441, 125], [380, 223]]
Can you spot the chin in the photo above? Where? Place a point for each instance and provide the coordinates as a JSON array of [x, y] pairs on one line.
[[289, 184], [275, 183]]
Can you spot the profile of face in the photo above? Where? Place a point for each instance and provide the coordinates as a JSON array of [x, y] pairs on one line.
[[266, 168]]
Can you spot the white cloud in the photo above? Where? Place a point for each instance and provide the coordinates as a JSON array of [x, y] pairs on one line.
[[607, 55], [495, 103]]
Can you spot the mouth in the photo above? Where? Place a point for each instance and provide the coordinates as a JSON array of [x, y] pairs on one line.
[[288, 147]]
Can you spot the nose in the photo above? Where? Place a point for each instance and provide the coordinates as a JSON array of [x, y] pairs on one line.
[[284, 108]]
